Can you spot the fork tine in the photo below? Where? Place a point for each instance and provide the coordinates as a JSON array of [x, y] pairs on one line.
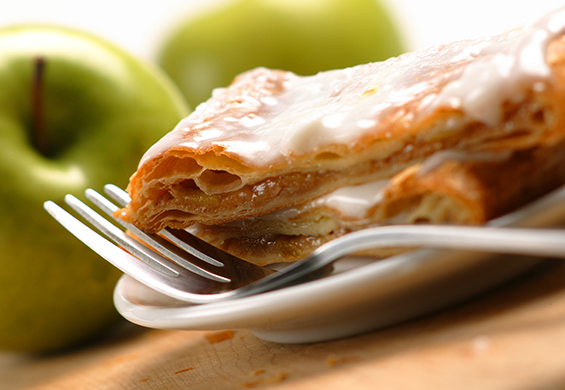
[[181, 238], [137, 248], [168, 278], [117, 194], [100, 245], [163, 246]]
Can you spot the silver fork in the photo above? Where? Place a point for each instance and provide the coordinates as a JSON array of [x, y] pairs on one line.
[[180, 265]]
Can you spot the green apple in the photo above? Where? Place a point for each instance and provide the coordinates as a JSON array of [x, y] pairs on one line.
[[210, 47], [75, 112]]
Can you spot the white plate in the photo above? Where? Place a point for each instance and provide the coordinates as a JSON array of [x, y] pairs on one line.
[[359, 299]]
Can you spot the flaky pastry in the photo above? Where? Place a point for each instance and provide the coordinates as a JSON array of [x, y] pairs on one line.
[[273, 144]]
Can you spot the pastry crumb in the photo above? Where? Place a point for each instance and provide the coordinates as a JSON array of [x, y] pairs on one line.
[[218, 337], [121, 359], [281, 376], [332, 360], [184, 370]]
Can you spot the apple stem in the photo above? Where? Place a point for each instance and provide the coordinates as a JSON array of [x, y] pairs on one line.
[[38, 125]]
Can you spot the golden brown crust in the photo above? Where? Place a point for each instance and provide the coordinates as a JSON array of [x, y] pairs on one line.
[[456, 191], [190, 181], [183, 204]]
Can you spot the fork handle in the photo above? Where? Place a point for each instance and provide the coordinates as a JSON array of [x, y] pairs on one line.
[[518, 241]]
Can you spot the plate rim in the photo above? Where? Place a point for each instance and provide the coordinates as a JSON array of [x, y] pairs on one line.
[[310, 299]]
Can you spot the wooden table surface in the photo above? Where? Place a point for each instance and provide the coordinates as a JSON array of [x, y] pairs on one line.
[[510, 338]]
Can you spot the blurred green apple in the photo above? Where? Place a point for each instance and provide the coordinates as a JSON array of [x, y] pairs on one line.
[[303, 36], [75, 112]]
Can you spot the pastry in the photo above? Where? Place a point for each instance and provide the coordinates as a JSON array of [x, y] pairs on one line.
[[273, 141], [455, 188]]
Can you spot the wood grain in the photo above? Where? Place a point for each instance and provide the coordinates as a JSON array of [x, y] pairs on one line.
[[511, 338]]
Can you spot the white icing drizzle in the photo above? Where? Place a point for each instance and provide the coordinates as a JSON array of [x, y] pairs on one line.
[[339, 106], [505, 66], [353, 202]]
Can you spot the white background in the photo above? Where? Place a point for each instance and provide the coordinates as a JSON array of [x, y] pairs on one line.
[[139, 25]]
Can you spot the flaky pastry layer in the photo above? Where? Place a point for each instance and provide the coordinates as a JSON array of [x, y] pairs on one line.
[[468, 189], [273, 141]]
